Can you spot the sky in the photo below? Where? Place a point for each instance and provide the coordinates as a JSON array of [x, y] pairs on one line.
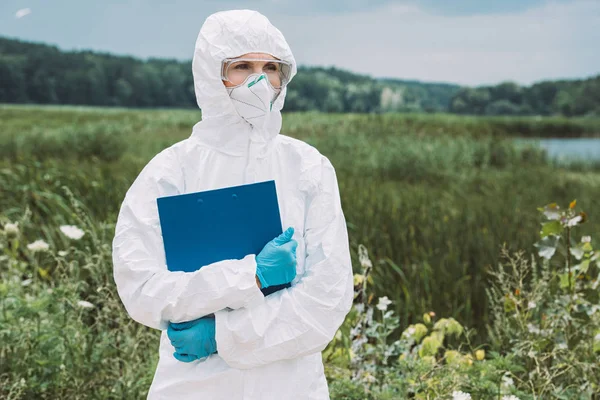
[[469, 42]]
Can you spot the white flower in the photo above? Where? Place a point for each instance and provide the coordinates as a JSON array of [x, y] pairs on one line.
[[38, 245], [511, 397], [574, 221], [562, 346], [507, 381], [458, 395], [11, 230], [531, 305], [62, 253], [85, 304], [72, 232], [586, 239], [383, 304], [597, 337], [26, 282], [533, 329]]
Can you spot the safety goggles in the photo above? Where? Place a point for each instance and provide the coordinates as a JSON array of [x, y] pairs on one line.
[[237, 70]]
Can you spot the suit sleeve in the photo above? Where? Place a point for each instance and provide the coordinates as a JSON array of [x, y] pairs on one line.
[[151, 294], [303, 319]]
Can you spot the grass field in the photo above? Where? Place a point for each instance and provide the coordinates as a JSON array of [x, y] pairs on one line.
[[433, 198]]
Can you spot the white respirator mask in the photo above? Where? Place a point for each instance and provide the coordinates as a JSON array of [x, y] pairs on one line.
[[254, 99]]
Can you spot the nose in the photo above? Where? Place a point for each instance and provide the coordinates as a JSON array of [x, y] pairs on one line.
[[258, 69]]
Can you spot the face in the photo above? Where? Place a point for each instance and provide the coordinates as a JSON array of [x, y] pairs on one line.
[[238, 71]]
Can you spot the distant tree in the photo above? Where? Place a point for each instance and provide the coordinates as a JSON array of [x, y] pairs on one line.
[[38, 73], [502, 107], [13, 87]]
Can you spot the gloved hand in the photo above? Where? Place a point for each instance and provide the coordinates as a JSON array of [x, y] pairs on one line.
[[276, 263], [193, 339]]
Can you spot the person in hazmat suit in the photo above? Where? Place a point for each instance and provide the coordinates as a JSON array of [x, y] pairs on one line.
[[222, 338]]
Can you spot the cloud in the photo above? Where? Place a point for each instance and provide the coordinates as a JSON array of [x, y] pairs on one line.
[[22, 13], [553, 40]]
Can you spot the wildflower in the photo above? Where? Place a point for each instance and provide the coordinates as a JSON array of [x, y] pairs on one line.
[[467, 359], [369, 378], [383, 304], [38, 245], [85, 304], [586, 239], [531, 304], [480, 355], [26, 282], [72, 232], [551, 211], [507, 381], [533, 329], [458, 395], [11, 230], [358, 279], [511, 397], [62, 253], [574, 221]]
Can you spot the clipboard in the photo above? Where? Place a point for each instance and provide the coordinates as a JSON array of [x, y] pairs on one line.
[[202, 228]]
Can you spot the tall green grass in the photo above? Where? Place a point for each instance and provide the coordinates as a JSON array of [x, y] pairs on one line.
[[433, 197]]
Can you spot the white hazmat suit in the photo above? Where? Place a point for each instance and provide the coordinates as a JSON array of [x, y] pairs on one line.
[[268, 347]]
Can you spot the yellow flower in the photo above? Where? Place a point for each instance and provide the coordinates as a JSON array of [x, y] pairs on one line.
[[480, 355], [358, 279]]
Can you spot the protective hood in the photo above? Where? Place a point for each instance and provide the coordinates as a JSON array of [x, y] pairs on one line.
[[231, 34]]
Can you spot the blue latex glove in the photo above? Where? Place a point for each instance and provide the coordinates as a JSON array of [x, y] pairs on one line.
[[276, 263], [193, 340]]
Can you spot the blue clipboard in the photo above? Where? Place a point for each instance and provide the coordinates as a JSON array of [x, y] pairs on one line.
[[205, 227]]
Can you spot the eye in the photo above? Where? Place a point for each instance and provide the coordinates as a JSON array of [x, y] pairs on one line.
[[272, 67], [241, 66]]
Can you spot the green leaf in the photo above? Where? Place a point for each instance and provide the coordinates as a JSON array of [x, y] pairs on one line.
[[547, 246], [577, 251], [584, 266], [564, 280], [551, 228]]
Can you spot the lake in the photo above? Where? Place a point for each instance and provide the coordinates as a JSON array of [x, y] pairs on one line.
[[569, 149]]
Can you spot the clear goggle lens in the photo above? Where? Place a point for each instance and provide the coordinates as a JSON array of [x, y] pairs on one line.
[[237, 70]]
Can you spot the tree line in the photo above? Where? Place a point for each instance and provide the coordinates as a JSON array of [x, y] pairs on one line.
[[43, 74]]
